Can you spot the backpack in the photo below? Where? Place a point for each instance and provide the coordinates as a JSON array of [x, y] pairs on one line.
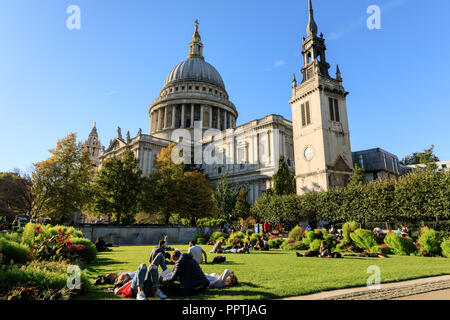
[[219, 259], [336, 255]]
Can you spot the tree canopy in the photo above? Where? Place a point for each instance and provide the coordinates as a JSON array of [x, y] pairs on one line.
[[61, 183], [283, 180], [117, 187]]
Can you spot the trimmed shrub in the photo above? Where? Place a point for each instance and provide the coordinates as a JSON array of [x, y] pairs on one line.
[[315, 245], [382, 248], [276, 243], [399, 245], [52, 275], [298, 245], [77, 251], [309, 237], [217, 235], [236, 235], [296, 234], [364, 239], [200, 238], [430, 242], [91, 253], [347, 228], [445, 246], [13, 251]]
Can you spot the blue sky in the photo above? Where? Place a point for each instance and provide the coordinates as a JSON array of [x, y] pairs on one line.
[[54, 80]]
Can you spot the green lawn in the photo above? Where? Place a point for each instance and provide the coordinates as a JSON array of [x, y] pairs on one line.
[[275, 274]]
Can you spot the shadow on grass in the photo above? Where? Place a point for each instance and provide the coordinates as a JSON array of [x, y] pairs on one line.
[[101, 262]]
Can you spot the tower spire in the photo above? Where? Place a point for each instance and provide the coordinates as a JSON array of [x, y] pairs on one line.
[[196, 45], [311, 28]]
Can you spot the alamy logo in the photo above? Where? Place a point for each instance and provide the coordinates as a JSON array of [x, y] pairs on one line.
[[373, 282], [74, 20], [374, 20], [74, 280]]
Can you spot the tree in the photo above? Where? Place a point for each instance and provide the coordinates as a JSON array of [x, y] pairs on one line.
[[357, 177], [427, 157], [117, 187], [61, 183], [242, 208], [225, 197], [159, 192], [283, 180], [15, 194], [195, 197]]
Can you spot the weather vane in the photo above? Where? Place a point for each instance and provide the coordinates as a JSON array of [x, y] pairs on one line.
[[196, 22]]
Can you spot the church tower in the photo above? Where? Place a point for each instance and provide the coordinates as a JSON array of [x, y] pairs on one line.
[[323, 157], [94, 147]]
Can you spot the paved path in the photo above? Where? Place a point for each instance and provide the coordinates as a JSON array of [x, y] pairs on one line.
[[425, 288]]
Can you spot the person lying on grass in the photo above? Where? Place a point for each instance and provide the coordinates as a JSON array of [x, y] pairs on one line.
[[323, 252], [190, 277], [226, 279], [238, 248]]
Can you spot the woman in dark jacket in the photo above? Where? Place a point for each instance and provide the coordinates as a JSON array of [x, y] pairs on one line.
[[191, 278]]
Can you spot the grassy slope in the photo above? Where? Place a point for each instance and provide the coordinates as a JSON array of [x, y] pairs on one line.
[[277, 273]]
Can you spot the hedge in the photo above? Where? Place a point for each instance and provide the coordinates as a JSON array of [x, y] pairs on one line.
[[423, 195], [13, 251]]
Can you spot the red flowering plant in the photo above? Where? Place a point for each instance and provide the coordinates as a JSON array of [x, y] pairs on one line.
[[51, 249]]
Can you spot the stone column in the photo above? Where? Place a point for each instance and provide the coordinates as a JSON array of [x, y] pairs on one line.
[[165, 117], [192, 115], [160, 118], [151, 121], [183, 121], [210, 116], [218, 118], [174, 108], [201, 115], [225, 120]]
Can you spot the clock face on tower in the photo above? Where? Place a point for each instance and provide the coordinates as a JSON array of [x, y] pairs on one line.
[[309, 153]]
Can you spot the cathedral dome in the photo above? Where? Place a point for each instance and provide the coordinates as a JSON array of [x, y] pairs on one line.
[[195, 69]]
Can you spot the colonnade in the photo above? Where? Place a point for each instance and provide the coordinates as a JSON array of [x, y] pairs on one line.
[[181, 116]]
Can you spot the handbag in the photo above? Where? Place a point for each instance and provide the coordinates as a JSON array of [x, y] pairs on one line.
[[125, 290]]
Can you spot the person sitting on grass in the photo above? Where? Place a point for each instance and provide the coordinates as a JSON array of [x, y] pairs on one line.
[[100, 244], [197, 252], [146, 281], [187, 271], [244, 249], [166, 245], [324, 251], [159, 255], [262, 245], [218, 246], [332, 230]]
